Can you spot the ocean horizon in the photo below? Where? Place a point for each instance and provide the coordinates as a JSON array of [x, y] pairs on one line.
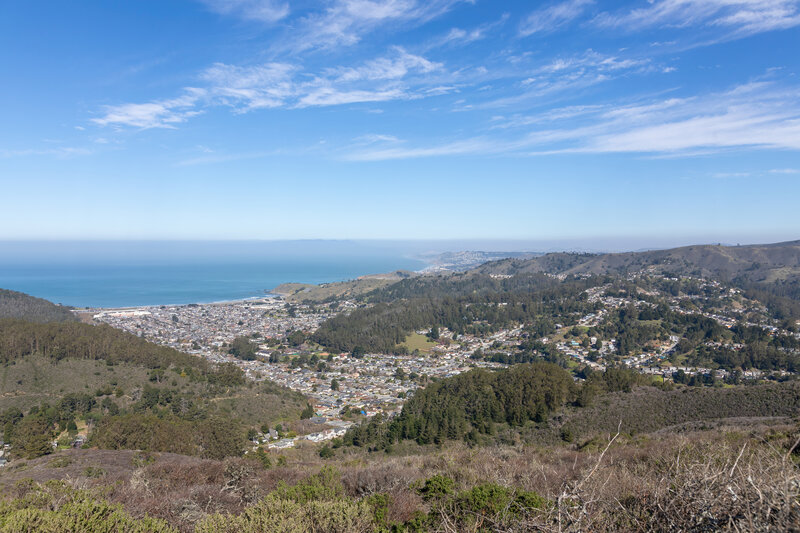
[[116, 274]]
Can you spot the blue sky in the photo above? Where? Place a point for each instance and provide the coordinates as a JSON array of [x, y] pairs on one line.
[[664, 121]]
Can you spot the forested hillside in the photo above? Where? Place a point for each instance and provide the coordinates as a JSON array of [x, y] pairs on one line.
[[126, 392], [20, 305], [73, 340], [542, 398], [464, 304], [470, 404], [770, 272]]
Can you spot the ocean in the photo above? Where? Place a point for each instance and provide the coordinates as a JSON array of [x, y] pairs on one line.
[[127, 274]]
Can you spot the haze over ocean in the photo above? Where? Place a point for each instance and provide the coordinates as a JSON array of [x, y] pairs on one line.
[[122, 274]]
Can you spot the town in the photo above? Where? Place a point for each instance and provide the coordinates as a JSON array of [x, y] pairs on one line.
[[346, 387]]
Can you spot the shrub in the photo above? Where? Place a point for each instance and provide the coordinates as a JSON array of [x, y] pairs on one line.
[[276, 515], [94, 472], [436, 488], [54, 507], [325, 485]]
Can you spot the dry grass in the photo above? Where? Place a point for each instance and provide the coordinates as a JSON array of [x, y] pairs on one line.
[[731, 480]]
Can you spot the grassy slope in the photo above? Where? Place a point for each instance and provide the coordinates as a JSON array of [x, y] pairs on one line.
[[647, 409], [415, 341], [304, 292], [34, 380]]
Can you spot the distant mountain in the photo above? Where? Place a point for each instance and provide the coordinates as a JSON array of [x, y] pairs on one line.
[[15, 304], [753, 263], [466, 260]]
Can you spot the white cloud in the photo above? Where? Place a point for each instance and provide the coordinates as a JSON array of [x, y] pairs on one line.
[[258, 10], [465, 147], [758, 115], [592, 60], [63, 152], [741, 17], [385, 68], [158, 114], [328, 96], [373, 138], [345, 22], [463, 36], [248, 88], [460, 36], [784, 171], [549, 19], [398, 75], [723, 175], [565, 75], [755, 116]]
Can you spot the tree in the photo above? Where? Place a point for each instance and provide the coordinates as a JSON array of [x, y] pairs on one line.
[[334, 384], [33, 437], [296, 338], [307, 413], [434, 333], [358, 352], [242, 348], [220, 438], [263, 458], [326, 452]]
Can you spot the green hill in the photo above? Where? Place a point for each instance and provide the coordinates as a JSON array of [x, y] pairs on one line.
[[128, 393], [754, 263], [15, 304]]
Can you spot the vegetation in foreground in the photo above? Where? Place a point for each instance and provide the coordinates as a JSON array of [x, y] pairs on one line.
[[737, 478]]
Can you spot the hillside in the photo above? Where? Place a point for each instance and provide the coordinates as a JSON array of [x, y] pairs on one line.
[[539, 402], [737, 477], [755, 263], [305, 292], [67, 380], [15, 304], [768, 272]]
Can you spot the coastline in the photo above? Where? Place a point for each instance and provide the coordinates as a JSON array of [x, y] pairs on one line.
[[113, 286]]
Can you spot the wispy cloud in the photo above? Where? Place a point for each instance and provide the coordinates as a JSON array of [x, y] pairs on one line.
[[785, 171], [565, 75], [256, 10], [345, 22], [758, 115], [157, 114], [396, 76], [63, 152], [393, 67], [549, 19], [466, 147], [248, 88], [740, 17], [329, 96], [460, 36]]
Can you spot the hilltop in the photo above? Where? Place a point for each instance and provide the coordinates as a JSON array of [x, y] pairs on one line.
[[307, 292], [69, 381], [755, 263], [15, 304]]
